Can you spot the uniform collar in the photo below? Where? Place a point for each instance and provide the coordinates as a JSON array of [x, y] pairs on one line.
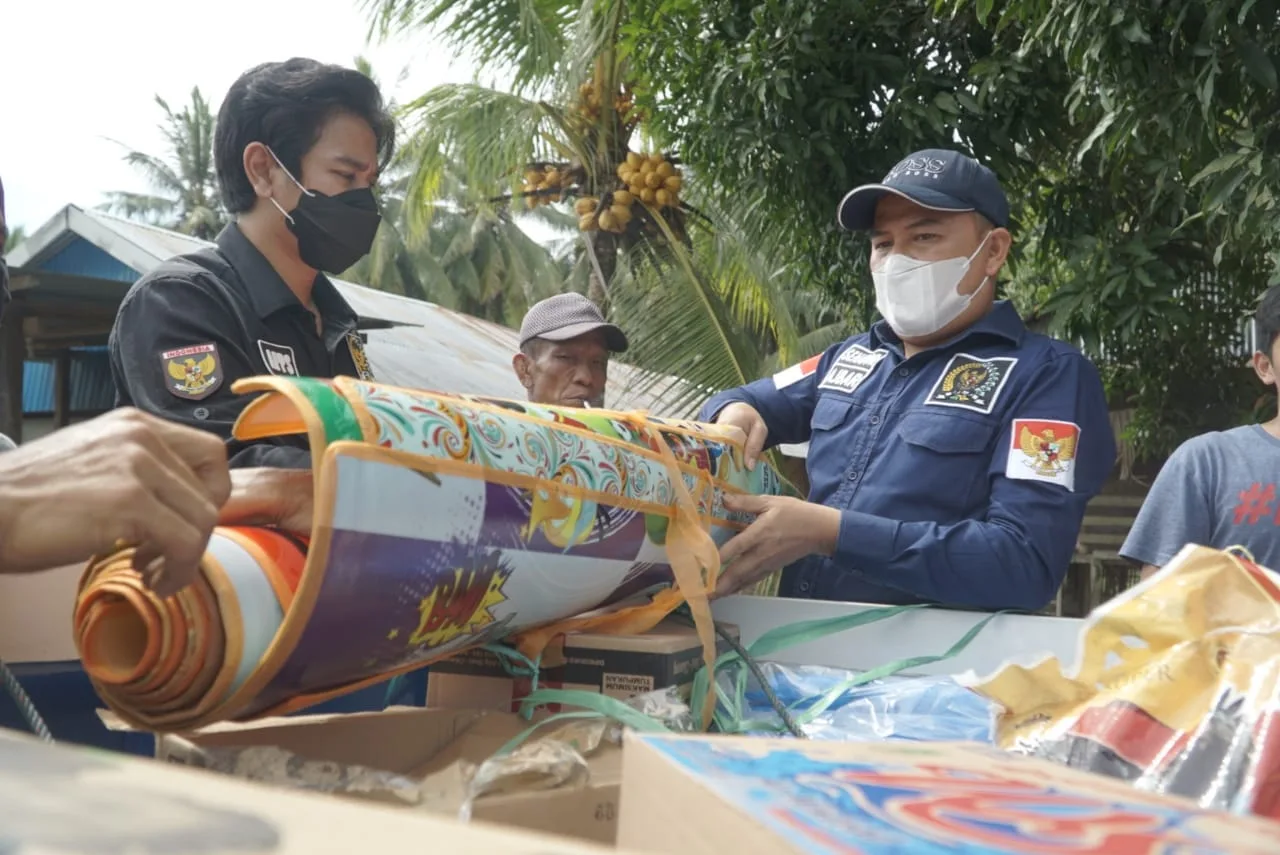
[[268, 292], [1002, 321]]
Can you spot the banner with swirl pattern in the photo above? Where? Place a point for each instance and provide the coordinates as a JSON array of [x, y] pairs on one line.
[[441, 522]]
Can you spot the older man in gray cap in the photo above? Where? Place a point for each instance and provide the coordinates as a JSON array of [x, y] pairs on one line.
[[565, 344]]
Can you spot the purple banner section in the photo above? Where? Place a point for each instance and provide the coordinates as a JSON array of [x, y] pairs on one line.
[[615, 533], [387, 601]]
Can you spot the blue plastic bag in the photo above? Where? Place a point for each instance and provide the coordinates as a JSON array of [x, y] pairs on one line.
[[921, 709]]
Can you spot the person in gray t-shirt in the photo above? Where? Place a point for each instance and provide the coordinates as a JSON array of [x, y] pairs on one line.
[[1220, 489]]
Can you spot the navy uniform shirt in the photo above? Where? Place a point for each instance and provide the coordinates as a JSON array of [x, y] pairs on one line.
[[197, 323], [961, 473]]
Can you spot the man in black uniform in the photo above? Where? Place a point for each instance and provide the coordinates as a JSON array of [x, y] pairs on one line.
[[298, 146]]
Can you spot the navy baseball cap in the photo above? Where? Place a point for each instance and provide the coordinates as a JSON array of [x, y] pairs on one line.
[[937, 179]]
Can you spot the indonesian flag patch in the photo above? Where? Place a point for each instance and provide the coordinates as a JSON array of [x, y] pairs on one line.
[[796, 373], [1044, 451]]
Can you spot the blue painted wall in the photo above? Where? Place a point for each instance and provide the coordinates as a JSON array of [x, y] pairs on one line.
[[91, 389], [81, 258]]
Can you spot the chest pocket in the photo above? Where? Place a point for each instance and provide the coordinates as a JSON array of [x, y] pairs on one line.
[[830, 413], [949, 450], [945, 433]]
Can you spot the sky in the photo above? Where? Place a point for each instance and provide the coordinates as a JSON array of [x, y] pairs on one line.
[[80, 73]]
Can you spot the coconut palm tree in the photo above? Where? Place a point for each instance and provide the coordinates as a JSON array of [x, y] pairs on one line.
[[699, 299], [458, 250], [185, 196], [462, 253]]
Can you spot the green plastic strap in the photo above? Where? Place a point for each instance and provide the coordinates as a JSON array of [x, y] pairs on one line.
[[509, 658], [593, 704], [520, 738], [730, 715], [837, 691], [776, 639]]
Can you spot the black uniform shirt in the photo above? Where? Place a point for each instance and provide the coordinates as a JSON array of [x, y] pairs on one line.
[[197, 323]]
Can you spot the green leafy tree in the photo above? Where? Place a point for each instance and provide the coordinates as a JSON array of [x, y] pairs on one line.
[[457, 250], [1131, 137], [185, 190], [1158, 223]]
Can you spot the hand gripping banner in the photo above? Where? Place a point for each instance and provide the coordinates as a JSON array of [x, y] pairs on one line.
[[441, 523]]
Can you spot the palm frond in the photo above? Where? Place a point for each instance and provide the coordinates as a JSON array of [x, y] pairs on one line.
[[484, 134], [680, 322], [156, 210], [529, 37]]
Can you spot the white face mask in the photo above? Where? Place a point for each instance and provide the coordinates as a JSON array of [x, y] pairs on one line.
[[918, 298]]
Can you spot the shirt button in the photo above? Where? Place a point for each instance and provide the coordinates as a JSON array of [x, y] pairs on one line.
[[875, 420], [853, 476], [903, 372], [804, 587]]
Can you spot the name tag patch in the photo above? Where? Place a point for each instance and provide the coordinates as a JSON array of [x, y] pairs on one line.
[[971, 383], [355, 343], [279, 358], [851, 367], [194, 373], [1043, 451]]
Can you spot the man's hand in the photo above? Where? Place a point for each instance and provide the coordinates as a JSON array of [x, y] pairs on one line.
[[123, 478], [785, 530], [278, 497], [745, 418]]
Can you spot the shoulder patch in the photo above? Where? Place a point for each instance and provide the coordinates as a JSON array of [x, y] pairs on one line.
[[279, 358], [854, 364], [193, 373], [355, 343], [793, 375], [1042, 450], [971, 383]]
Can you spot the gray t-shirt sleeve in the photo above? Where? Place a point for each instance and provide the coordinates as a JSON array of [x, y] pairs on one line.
[[1177, 510]]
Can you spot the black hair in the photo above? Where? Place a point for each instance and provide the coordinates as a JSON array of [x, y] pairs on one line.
[[285, 105], [1266, 320]]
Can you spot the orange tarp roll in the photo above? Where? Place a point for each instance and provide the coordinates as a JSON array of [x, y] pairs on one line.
[[441, 523]]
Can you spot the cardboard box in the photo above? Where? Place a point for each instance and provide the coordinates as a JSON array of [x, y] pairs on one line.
[[427, 747], [702, 795], [60, 799], [620, 666]]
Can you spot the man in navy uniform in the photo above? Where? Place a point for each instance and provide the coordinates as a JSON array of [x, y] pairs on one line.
[[951, 451]]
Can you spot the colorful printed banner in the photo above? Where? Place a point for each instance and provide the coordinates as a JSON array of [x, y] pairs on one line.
[[1176, 688], [441, 522], [720, 794]]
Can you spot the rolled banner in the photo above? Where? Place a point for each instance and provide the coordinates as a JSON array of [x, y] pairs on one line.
[[441, 522]]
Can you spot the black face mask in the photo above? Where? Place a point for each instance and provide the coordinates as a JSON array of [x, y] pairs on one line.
[[333, 232]]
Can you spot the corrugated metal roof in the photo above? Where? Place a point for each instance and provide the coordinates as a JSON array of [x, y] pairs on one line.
[[157, 242]]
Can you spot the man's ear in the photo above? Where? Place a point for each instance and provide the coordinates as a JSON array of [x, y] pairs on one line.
[[523, 369], [258, 166], [1266, 371], [998, 245]]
